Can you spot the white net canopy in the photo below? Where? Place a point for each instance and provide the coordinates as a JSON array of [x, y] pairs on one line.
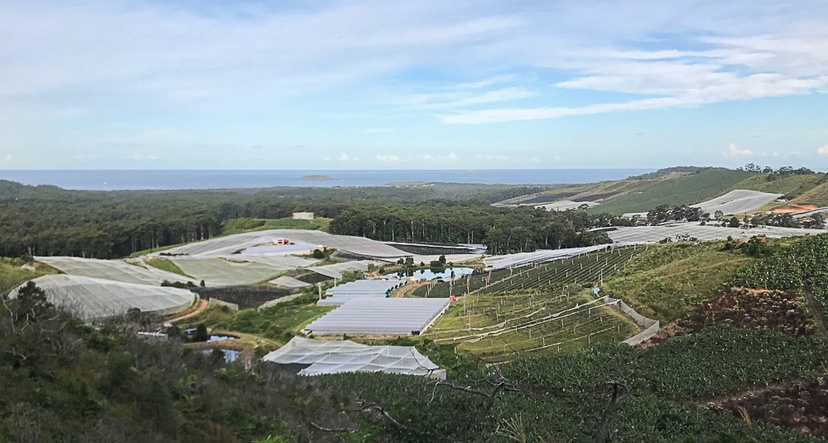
[[539, 256], [93, 298], [380, 316], [737, 202], [677, 231], [334, 357], [117, 270]]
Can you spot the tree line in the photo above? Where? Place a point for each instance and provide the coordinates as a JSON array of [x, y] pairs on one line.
[[46, 220], [502, 230]]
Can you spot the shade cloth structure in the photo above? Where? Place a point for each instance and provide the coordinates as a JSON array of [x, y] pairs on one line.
[[676, 231], [289, 282], [335, 357], [116, 270], [335, 270], [359, 290], [222, 272], [380, 316], [234, 244], [94, 298], [540, 256], [736, 202]]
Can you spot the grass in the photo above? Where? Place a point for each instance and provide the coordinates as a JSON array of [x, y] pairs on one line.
[[502, 328], [165, 265], [791, 186], [664, 280], [12, 275], [279, 322], [687, 189], [818, 195]]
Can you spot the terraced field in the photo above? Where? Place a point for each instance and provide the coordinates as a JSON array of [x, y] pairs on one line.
[[503, 328], [465, 285], [588, 268]]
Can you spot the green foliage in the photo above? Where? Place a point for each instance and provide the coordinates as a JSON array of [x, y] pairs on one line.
[[46, 220], [501, 229], [64, 381], [664, 280], [802, 266], [12, 275], [277, 322], [684, 190], [165, 265]]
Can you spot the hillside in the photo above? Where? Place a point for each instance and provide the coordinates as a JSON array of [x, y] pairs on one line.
[[682, 186]]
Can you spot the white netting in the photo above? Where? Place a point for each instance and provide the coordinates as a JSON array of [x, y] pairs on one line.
[[380, 316], [116, 270], [334, 357], [93, 298]]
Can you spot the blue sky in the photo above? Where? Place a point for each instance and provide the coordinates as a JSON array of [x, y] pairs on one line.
[[412, 85]]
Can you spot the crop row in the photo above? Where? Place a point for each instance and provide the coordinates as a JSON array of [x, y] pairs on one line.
[[509, 327], [588, 268]]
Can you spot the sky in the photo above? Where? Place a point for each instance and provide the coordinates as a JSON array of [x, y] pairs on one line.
[[460, 84]]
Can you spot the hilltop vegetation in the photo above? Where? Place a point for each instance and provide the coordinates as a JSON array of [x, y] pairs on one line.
[[686, 185]]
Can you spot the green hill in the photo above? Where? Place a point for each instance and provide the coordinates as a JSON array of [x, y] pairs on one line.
[[683, 190]]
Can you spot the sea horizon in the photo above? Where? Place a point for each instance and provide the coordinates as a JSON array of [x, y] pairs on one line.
[[200, 179]]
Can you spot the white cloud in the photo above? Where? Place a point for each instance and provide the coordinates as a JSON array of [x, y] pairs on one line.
[[425, 157], [451, 156], [347, 158], [823, 150], [734, 152], [463, 97], [387, 158]]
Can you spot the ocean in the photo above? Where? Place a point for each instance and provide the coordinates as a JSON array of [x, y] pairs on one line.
[[111, 180]]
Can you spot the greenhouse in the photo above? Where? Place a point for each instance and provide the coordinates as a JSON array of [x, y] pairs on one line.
[[93, 298], [380, 316], [359, 290], [333, 357]]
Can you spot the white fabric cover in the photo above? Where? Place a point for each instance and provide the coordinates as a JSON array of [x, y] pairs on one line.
[[334, 357], [93, 298]]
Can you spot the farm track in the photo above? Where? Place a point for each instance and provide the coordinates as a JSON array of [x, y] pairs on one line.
[[819, 316], [200, 306]]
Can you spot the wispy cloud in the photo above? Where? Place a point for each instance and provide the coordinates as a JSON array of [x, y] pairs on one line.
[[823, 150], [389, 158]]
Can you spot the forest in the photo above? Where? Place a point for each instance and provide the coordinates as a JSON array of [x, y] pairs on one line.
[[45, 220]]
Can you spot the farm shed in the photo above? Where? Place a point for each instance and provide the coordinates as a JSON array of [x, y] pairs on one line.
[[93, 298], [335, 357], [380, 316]]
